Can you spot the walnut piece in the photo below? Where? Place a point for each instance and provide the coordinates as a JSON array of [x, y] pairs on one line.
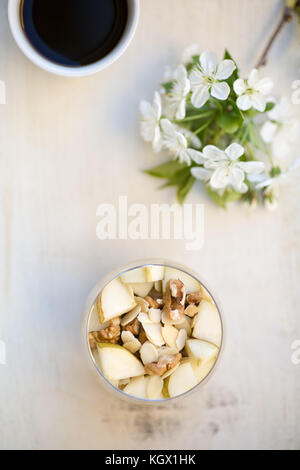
[[110, 335], [134, 327], [194, 298], [155, 369], [165, 363], [152, 303], [174, 300], [143, 337], [93, 339]]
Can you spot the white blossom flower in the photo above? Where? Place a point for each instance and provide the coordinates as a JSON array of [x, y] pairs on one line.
[[177, 144], [252, 93], [150, 122], [273, 185], [281, 129], [179, 92], [228, 170], [207, 79]]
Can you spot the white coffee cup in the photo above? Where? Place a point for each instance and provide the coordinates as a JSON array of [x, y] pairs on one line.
[[39, 60]]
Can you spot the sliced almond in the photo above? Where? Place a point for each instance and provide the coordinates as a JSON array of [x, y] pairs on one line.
[[133, 346], [166, 351], [154, 387], [181, 339], [153, 333], [185, 324], [170, 371], [154, 315], [130, 316], [143, 303], [192, 310], [144, 318], [169, 333], [127, 336], [148, 353]]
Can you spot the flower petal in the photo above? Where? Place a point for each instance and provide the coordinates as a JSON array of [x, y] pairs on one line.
[[157, 104], [214, 153], [265, 183], [209, 62], [264, 86], [201, 173], [225, 69], [244, 102], [220, 178], [251, 167], [196, 78], [268, 131], [237, 177], [235, 151], [253, 78], [180, 113], [240, 86], [258, 102], [146, 109], [196, 156], [220, 90], [200, 96]]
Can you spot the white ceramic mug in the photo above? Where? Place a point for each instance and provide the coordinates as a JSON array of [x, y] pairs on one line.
[[41, 61]]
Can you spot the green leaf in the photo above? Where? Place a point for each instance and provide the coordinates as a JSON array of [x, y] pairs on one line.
[[269, 106], [195, 61], [230, 122], [222, 200], [185, 189], [166, 170], [275, 171], [255, 138], [167, 86]]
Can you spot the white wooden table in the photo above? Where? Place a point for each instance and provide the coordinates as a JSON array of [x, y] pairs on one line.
[[66, 145]]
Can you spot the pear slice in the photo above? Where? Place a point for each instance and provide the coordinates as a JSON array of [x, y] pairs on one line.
[[141, 289], [137, 387], [207, 324], [155, 273], [154, 387], [202, 368], [115, 299], [201, 350], [135, 275], [94, 321], [182, 379], [118, 363], [190, 284]]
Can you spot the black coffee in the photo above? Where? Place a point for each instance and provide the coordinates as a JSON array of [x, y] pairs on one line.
[[74, 32]]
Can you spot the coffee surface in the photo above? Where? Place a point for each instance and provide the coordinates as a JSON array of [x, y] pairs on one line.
[[74, 32]]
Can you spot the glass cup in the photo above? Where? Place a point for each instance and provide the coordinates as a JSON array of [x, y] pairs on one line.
[[85, 321]]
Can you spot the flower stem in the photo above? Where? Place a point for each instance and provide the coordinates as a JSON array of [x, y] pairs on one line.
[[193, 118], [286, 18], [204, 126]]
